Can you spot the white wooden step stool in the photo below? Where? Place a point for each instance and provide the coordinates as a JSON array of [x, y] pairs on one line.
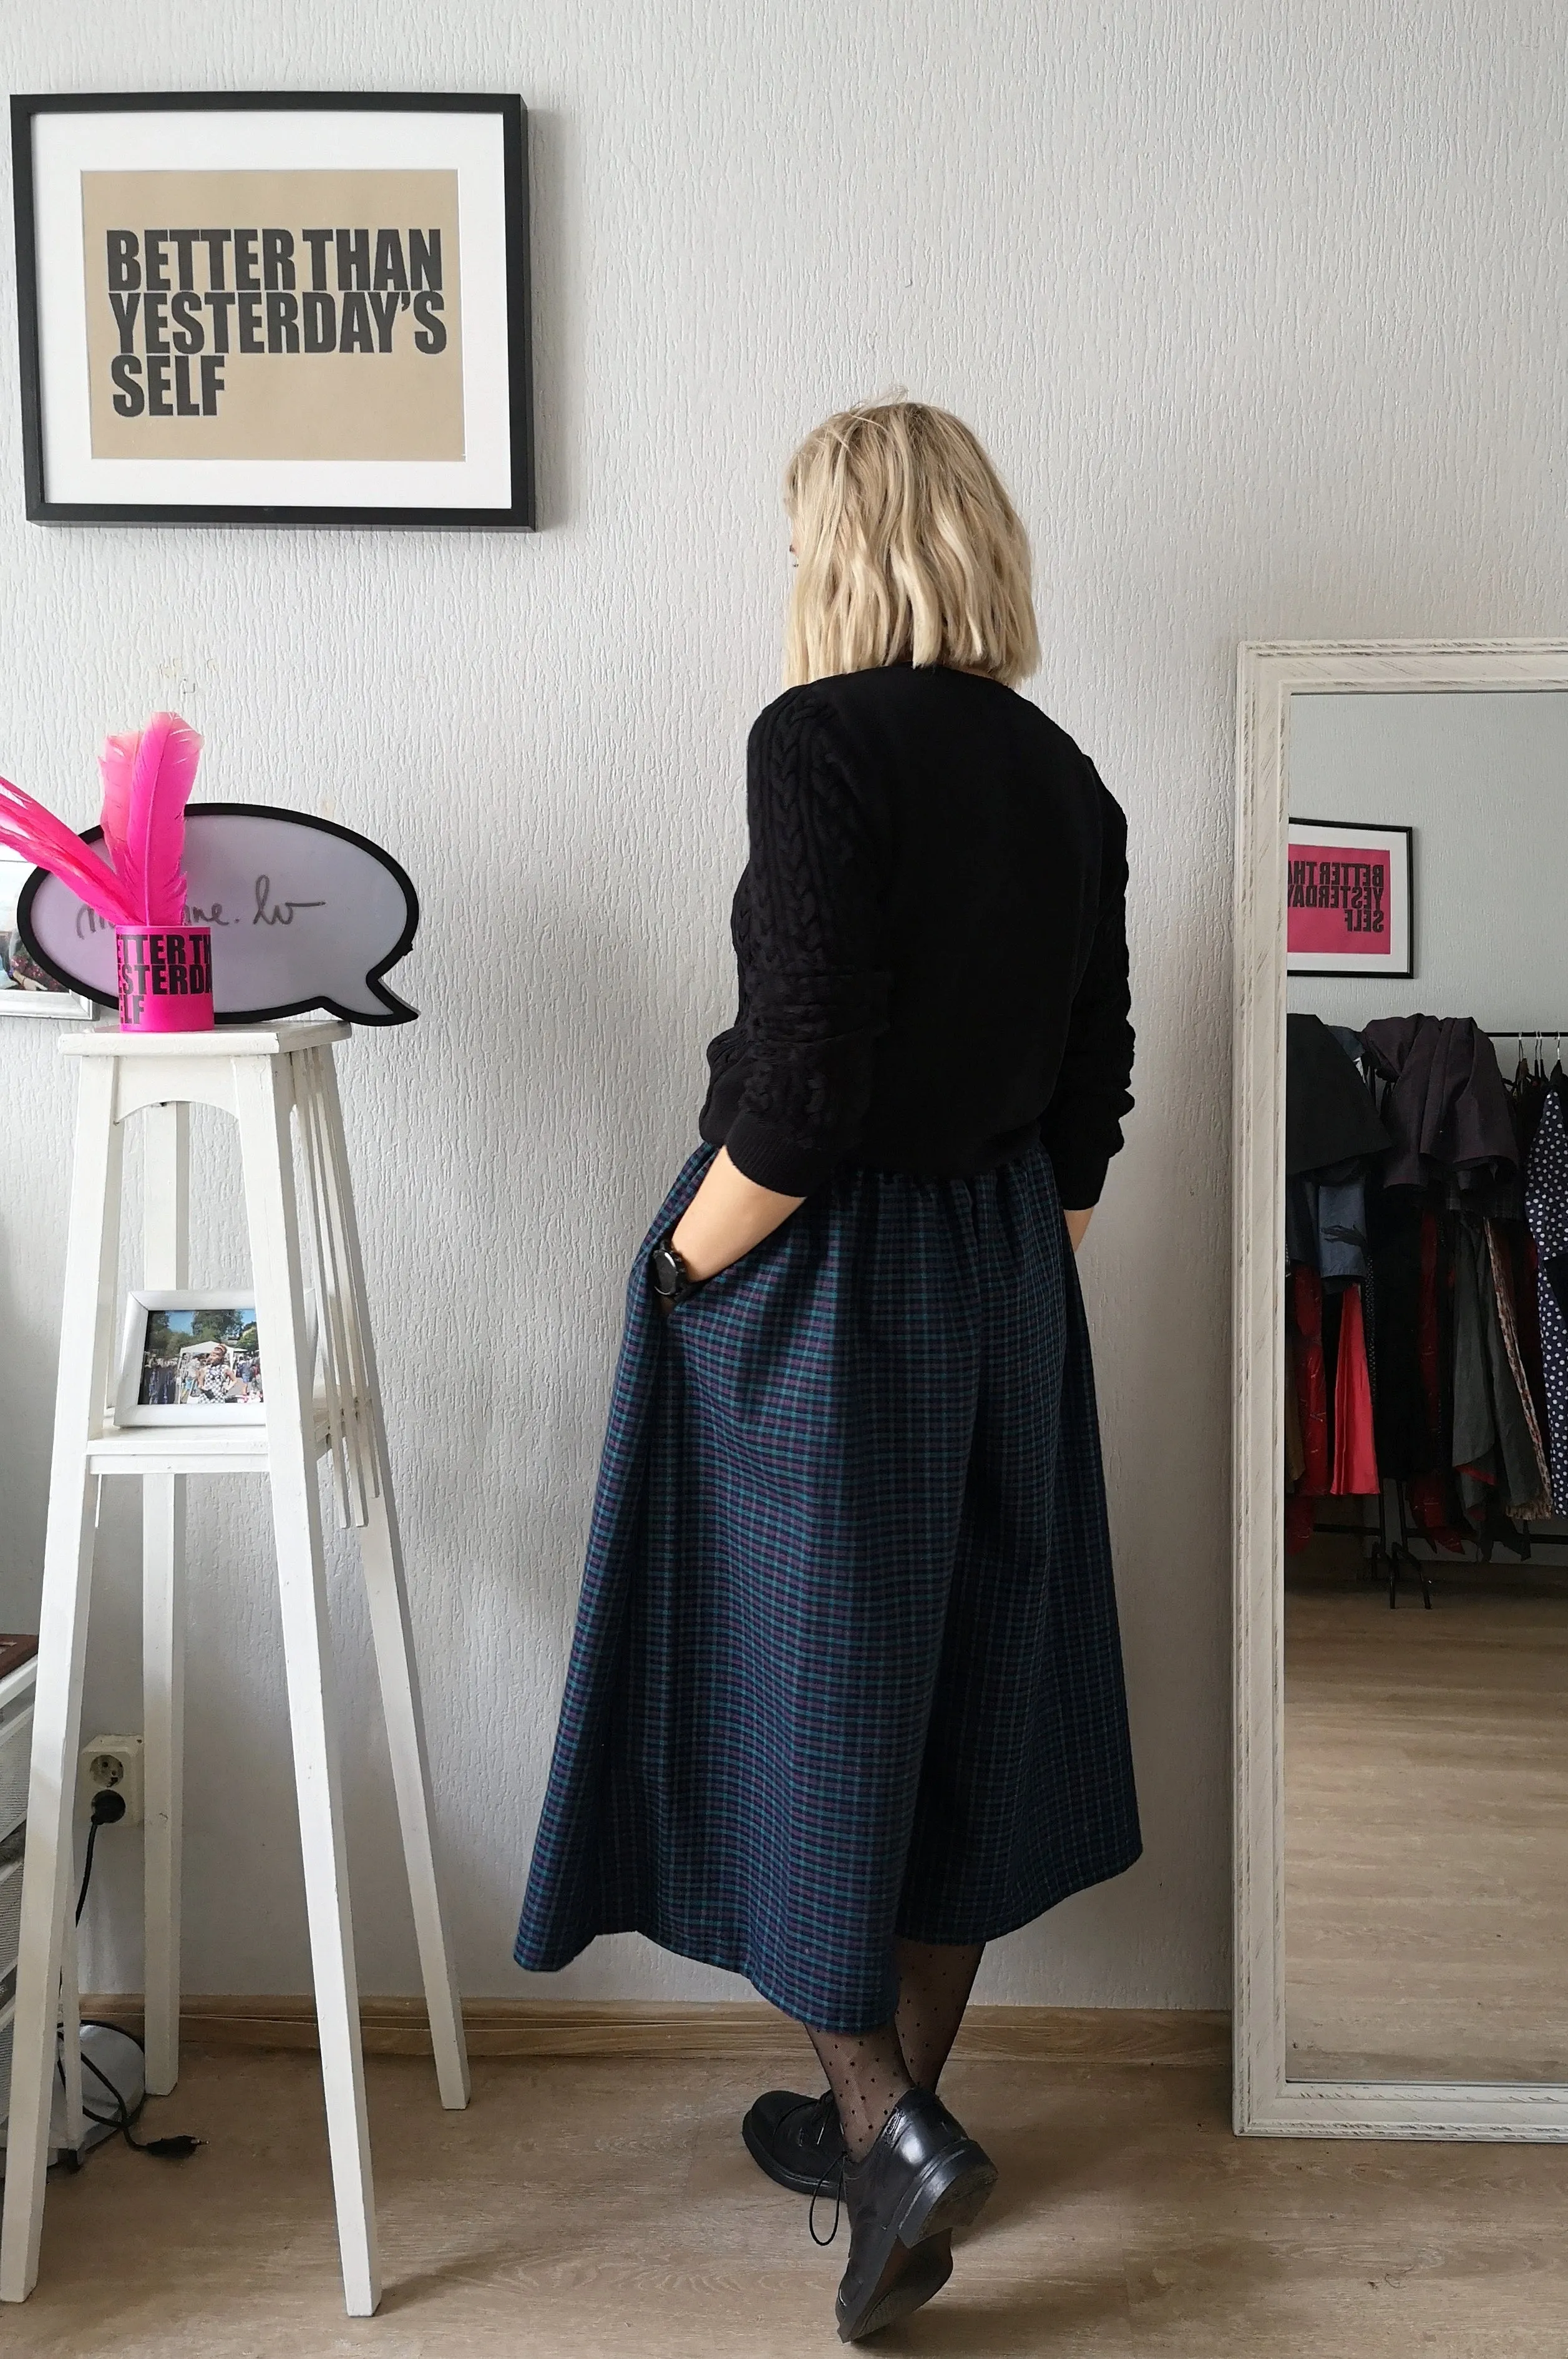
[[272, 1080]]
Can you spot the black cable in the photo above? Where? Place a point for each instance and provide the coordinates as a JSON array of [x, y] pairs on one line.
[[108, 1807], [168, 2149]]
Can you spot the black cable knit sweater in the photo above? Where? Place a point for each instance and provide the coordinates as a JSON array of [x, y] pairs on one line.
[[931, 940]]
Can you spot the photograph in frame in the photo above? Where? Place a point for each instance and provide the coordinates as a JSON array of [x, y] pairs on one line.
[[1349, 900], [274, 308], [190, 1359]]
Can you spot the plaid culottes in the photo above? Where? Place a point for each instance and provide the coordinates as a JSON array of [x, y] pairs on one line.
[[847, 1662]]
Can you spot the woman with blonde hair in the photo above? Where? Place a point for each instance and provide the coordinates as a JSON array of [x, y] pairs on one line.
[[846, 1699]]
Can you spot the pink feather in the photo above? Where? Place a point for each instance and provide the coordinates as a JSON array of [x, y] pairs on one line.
[[150, 863], [115, 766], [27, 828]]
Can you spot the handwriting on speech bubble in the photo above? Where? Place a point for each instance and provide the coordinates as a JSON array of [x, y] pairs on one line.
[[304, 914]]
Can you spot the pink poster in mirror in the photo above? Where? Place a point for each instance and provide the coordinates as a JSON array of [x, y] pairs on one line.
[[1348, 899]]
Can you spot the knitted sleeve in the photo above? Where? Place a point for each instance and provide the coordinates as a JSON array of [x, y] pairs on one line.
[[813, 992], [1082, 1126]]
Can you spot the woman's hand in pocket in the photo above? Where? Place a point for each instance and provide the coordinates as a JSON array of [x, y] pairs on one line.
[[727, 1215]]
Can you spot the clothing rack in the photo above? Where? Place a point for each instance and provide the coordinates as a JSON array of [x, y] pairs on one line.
[[1390, 1552]]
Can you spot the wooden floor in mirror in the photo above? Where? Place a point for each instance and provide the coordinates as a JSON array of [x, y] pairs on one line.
[[1426, 1824]]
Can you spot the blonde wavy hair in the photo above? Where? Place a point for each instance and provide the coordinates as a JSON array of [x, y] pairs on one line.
[[907, 548]]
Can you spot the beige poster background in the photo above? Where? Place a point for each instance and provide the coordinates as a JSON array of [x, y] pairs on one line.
[[372, 283]]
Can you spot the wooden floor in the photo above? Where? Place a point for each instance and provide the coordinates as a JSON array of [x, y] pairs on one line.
[[594, 2211], [1426, 1831]]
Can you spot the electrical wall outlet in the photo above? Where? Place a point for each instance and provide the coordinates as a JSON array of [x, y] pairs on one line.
[[114, 1763]]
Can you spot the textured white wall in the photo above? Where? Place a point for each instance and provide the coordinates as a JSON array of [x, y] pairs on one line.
[[1261, 311]]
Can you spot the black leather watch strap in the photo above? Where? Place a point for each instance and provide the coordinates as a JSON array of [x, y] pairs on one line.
[[668, 1276]]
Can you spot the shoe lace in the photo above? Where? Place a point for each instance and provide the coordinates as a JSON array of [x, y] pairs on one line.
[[827, 2112], [834, 2179]]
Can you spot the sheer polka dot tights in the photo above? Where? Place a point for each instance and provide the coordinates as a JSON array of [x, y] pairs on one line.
[[869, 2071]]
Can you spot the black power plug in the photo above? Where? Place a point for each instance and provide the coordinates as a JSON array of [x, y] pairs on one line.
[[108, 1809]]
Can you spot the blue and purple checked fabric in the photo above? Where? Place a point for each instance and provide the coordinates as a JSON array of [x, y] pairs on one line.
[[847, 1661]]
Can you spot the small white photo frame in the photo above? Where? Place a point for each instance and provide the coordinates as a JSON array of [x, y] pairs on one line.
[[190, 1358], [26, 990]]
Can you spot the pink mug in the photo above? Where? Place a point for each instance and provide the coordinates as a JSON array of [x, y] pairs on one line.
[[165, 978]]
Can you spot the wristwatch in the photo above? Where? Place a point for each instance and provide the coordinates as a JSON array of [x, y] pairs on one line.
[[669, 1277]]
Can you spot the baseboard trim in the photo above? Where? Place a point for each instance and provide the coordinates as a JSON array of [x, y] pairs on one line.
[[632, 2028]]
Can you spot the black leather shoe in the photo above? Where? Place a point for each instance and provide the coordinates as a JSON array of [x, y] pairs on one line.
[[797, 2140], [924, 2177]]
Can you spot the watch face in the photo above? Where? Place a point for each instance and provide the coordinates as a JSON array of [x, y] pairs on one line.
[[665, 1270]]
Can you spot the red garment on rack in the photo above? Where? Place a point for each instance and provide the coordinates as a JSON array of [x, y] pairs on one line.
[[1428, 1496], [1355, 1450], [1312, 1382]]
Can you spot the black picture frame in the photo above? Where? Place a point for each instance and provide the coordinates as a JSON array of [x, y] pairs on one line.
[[1398, 840], [519, 514]]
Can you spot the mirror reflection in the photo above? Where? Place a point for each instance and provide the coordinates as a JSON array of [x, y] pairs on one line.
[[1426, 1387]]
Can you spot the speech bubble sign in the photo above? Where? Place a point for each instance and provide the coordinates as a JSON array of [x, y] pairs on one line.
[[304, 914]]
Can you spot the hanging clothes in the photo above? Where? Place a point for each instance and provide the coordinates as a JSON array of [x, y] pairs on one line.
[[1329, 1114], [1411, 1293], [1546, 1209], [1428, 1338], [1295, 1446], [1531, 1488], [1333, 1137], [1308, 1449], [1446, 1109], [1526, 1096], [1342, 1228], [1342, 1237], [1524, 1270], [1355, 1452], [1312, 1383], [1494, 1452], [1555, 1267], [1331, 1132], [1432, 1494], [1474, 1421]]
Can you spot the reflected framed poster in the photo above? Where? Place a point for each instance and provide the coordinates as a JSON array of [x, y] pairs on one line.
[[1349, 900], [274, 308]]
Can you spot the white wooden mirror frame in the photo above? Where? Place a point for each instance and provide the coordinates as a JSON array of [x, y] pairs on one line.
[[1265, 2103]]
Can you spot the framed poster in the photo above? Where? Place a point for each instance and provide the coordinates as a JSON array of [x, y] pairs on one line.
[[1349, 900], [274, 308]]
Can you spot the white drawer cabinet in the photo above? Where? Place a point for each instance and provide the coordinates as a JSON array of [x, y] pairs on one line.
[[15, 1747], [10, 1915], [16, 1751]]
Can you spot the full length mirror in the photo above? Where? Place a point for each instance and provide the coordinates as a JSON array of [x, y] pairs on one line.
[[1403, 1577]]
